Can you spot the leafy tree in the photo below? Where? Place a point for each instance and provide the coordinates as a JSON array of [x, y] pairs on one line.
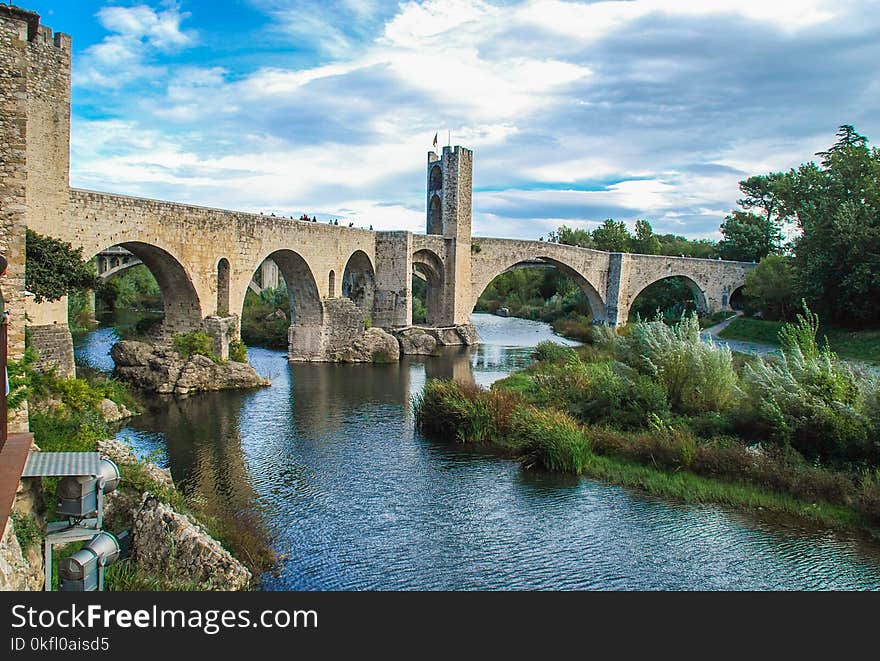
[[836, 205], [54, 268], [749, 237], [645, 241], [771, 287], [613, 236], [570, 236]]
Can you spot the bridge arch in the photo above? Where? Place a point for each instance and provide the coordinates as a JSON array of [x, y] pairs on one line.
[[698, 291], [428, 265], [359, 280], [180, 300], [305, 335], [594, 299]]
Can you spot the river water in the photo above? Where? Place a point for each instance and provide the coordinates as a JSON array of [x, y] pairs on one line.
[[354, 498]]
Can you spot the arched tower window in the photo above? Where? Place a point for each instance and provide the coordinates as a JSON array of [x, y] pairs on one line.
[[436, 179], [435, 224], [332, 284]]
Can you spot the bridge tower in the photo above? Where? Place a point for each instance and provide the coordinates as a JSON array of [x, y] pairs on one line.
[[36, 141], [450, 190]]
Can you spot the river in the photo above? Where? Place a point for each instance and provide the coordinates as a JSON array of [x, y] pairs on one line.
[[354, 498]]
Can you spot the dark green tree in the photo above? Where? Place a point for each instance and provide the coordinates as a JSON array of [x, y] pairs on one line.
[[749, 237], [571, 236], [54, 268], [613, 236], [645, 241], [771, 287], [836, 206]]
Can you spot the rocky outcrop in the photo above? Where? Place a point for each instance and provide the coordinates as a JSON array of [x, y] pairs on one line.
[[19, 569], [113, 412], [164, 371], [170, 543], [416, 341], [373, 346]]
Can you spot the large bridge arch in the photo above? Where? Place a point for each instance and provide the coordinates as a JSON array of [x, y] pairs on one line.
[[588, 268], [359, 280], [698, 291], [180, 298], [428, 265], [305, 337]]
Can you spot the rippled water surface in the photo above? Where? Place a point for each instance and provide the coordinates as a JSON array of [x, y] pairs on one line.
[[354, 498]]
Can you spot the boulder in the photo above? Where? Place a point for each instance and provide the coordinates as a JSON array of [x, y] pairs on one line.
[[416, 342], [373, 346], [178, 547], [164, 371], [468, 334], [113, 412]]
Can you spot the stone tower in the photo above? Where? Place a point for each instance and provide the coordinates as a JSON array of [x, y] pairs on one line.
[[450, 188], [35, 153]]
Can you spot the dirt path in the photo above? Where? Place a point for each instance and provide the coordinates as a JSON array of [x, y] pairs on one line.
[[741, 346]]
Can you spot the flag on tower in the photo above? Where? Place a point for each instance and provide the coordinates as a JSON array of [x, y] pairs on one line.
[[435, 141]]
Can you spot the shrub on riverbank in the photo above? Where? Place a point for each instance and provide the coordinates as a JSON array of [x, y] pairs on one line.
[[678, 462]]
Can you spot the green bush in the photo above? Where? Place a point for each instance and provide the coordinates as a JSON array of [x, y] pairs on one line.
[[698, 375], [27, 531], [811, 400], [551, 440], [195, 343], [550, 351], [238, 351]]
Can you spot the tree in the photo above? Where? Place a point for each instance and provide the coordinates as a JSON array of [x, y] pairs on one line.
[[836, 206], [771, 287], [570, 236], [645, 241], [54, 268], [612, 236], [749, 237], [753, 234]]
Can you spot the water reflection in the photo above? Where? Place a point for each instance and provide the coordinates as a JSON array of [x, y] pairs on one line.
[[356, 499]]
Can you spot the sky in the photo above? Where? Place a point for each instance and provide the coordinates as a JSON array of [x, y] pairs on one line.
[[576, 111]]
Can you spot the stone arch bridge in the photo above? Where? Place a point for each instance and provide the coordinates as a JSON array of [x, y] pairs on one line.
[[204, 259]]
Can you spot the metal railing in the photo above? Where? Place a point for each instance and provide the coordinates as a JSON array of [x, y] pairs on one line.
[[3, 410]]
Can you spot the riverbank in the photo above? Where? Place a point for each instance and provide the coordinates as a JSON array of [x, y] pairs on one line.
[[665, 412], [861, 346], [80, 415]]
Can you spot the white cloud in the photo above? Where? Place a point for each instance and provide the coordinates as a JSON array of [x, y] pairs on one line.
[[122, 56], [639, 108]]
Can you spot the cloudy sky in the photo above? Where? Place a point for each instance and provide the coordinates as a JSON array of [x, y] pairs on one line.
[[576, 111]]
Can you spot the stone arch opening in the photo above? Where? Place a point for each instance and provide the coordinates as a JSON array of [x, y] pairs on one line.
[[672, 295], [573, 293], [305, 311], [331, 284], [435, 223], [435, 181], [737, 299], [359, 281], [427, 266], [223, 287], [181, 308]]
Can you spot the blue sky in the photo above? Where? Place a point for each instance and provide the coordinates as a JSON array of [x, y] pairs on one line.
[[576, 111]]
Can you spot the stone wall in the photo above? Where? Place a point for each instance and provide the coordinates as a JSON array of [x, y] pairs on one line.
[[392, 303], [54, 348], [14, 26]]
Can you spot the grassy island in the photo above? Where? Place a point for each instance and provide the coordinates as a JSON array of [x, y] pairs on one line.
[[665, 411]]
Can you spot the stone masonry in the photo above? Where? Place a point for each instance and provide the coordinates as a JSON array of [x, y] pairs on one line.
[[204, 258]]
